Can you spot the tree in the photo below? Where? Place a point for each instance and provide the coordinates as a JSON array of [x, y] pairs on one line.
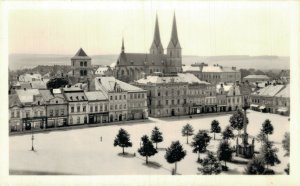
[[224, 152], [210, 165], [175, 153], [237, 120], [200, 142], [268, 154], [122, 139], [156, 136], [287, 170], [187, 131], [261, 137], [147, 149], [267, 128], [227, 133], [215, 128], [286, 143], [256, 166], [57, 83]]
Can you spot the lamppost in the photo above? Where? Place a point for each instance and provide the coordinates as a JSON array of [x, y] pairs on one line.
[[32, 138]]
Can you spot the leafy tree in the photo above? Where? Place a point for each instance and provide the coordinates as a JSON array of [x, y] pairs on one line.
[[224, 152], [156, 136], [267, 128], [200, 142], [147, 149], [256, 166], [210, 165], [175, 153], [268, 154], [237, 120], [286, 143], [122, 139], [227, 133], [57, 83], [262, 138], [187, 131], [215, 127]]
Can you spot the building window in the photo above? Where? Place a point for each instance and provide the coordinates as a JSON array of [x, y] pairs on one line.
[[167, 102], [91, 108], [56, 112], [101, 108], [78, 108], [72, 109], [111, 98], [116, 97], [125, 106], [120, 97], [130, 96], [139, 96], [35, 113], [18, 114], [62, 112], [120, 106], [84, 108], [85, 63], [184, 101], [96, 108], [158, 102], [116, 107], [178, 101], [51, 113], [105, 107], [71, 120], [111, 107], [124, 96], [85, 120], [12, 114], [134, 96], [166, 93], [81, 63], [172, 102], [158, 94]]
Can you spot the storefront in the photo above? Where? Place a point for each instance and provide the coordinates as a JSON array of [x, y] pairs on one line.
[[254, 107], [34, 123], [283, 111], [98, 118], [57, 122]]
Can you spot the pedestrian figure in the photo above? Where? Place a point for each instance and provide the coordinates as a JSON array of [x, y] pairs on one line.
[[101, 138]]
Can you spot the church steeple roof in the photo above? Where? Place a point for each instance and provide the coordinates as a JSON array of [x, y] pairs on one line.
[[81, 54], [174, 42], [156, 44], [123, 48]]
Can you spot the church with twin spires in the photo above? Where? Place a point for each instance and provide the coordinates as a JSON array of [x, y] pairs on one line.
[[133, 66]]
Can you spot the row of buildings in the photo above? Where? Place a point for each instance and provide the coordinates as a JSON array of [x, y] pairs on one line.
[[112, 100]]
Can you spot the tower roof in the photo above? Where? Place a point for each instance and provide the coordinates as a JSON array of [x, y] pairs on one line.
[[174, 42], [81, 55], [156, 39]]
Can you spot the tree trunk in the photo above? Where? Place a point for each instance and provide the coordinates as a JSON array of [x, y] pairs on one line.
[[225, 163], [187, 139], [198, 154], [123, 151], [146, 159], [175, 168], [156, 146], [214, 136]]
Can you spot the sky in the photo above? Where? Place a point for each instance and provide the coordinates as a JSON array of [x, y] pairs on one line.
[[205, 28]]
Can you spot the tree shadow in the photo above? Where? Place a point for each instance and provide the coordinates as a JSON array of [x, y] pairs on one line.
[[161, 149], [232, 171], [127, 155], [152, 164], [241, 162]]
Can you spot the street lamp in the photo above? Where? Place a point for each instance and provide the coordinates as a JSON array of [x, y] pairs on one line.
[[32, 138]]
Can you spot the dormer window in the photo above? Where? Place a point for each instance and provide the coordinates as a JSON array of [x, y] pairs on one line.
[[39, 102], [83, 97], [56, 101]]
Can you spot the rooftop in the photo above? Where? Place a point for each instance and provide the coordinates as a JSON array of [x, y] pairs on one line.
[[270, 90], [108, 83], [180, 78], [26, 96], [75, 96], [284, 92], [96, 95], [256, 77]]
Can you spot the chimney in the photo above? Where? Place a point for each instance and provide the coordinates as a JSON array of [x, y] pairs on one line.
[[99, 80], [233, 68]]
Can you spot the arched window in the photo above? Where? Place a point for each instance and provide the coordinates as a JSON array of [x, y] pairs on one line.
[[85, 72], [81, 63], [122, 72], [81, 73], [85, 63]]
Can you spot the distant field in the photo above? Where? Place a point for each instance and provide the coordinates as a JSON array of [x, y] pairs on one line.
[[20, 61]]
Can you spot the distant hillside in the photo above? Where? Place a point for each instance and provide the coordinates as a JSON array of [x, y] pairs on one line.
[[21, 61]]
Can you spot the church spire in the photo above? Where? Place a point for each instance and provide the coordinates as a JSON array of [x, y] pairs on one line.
[[174, 42], [156, 47], [123, 48]]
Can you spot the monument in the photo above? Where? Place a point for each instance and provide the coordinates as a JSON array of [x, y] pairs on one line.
[[245, 149]]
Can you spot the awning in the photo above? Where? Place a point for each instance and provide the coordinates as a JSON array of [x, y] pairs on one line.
[[253, 105], [283, 109], [262, 107]]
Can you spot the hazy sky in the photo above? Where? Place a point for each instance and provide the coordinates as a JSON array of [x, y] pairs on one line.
[[204, 28]]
